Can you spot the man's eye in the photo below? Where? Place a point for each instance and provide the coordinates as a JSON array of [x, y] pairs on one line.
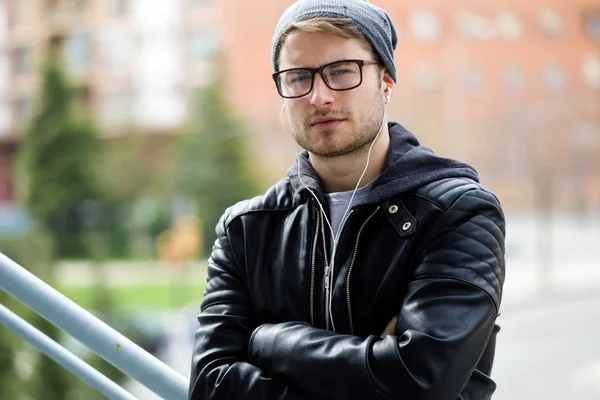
[[300, 78], [339, 72]]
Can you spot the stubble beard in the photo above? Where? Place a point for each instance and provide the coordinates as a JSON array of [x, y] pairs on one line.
[[367, 127]]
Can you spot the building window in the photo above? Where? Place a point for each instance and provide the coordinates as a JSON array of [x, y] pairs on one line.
[[4, 119], [77, 52], [17, 14], [591, 70], [592, 24], [22, 60], [427, 78], [115, 108], [4, 110], [51, 6], [554, 76], [117, 48], [473, 26], [3, 76], [200, 45], [551, 22], [514, 78], [510, 26], [78, 5], [4, 116], [117, 7], [425, 26]]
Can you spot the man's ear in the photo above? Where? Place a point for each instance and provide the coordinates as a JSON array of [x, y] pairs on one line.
[[388, 85], [387, 80]]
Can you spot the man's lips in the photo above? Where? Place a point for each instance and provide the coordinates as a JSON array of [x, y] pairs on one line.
[[326, 122]]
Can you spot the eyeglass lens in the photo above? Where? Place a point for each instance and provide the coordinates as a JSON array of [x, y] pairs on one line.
[[338, 76]]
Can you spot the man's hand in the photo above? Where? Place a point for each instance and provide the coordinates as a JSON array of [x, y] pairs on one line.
[[390, 328]]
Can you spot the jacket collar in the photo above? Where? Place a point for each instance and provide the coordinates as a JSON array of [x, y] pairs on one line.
[[408, 166]]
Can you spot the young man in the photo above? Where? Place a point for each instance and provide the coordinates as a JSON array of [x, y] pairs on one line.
[[375, 270]]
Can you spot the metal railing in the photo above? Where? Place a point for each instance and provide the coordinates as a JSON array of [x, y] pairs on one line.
[[89, 330]]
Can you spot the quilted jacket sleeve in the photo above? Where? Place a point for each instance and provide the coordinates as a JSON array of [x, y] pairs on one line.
[[443, 325], [220, 369]]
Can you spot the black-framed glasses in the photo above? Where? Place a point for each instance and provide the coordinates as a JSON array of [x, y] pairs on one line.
[[339, 75]]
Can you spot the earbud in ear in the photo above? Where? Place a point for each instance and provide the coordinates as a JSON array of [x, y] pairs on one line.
[[389, 91]]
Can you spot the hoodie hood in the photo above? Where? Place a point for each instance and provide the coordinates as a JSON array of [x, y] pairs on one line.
[[408, 167]]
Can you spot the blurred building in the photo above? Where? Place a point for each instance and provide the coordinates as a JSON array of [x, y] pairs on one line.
[[136, 62], [512, 87]]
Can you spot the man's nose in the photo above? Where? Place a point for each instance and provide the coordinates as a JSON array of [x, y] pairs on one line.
[[321, 94]]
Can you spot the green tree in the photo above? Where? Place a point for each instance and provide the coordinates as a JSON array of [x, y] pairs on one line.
[[216, 169], [57, 159], [136, 175], [57, 155]]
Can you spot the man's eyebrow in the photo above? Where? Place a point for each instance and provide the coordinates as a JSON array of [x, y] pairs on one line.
[[319, 66]]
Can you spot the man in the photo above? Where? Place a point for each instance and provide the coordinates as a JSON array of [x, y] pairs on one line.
[[375, 270]]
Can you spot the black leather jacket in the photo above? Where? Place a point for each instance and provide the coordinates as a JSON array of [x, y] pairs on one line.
[[426, 246]]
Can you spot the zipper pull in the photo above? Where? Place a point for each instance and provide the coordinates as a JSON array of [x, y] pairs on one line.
[[327, 273]]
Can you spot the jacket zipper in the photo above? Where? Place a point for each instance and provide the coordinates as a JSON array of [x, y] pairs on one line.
[[312, 271], [329, 269], [350, 271], [326, 261]]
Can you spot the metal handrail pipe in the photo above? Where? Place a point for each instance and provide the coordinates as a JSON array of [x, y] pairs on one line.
[[64, 357], [92, 332]]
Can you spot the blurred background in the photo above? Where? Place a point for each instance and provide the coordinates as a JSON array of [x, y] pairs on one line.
[[128, 126]]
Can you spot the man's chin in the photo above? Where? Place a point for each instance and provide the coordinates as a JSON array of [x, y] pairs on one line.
[[327, 144], [330, 152]]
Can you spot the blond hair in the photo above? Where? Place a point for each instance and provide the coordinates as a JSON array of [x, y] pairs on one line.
[[341, 27]]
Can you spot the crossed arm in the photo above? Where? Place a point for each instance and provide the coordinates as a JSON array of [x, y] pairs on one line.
[[441, 330]]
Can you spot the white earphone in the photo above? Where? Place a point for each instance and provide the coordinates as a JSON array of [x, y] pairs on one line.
[[388, 97]]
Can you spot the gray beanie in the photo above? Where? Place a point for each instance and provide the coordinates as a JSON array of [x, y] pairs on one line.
[[372, 21]]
